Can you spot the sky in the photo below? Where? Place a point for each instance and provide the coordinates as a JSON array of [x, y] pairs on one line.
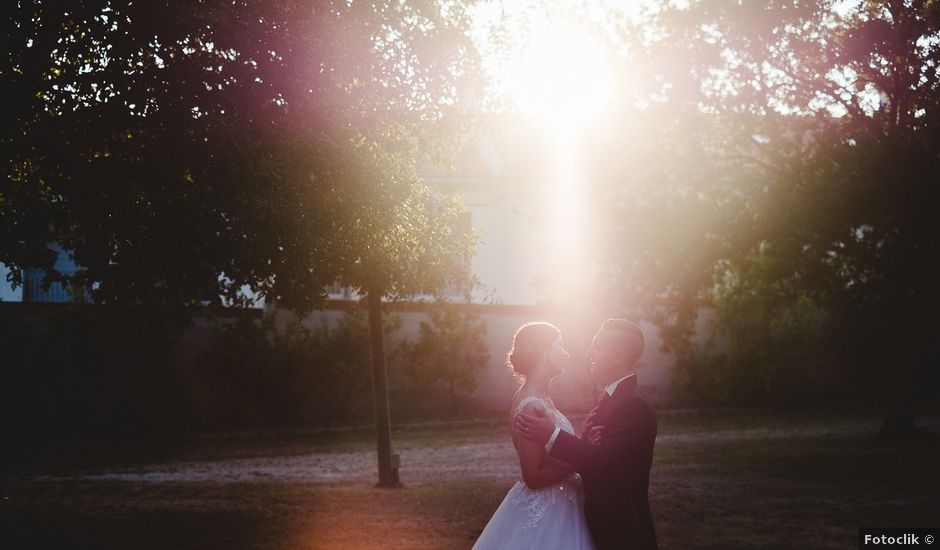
[[7, 294]]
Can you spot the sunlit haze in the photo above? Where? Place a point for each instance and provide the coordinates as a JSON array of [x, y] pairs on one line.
[[561, 76]]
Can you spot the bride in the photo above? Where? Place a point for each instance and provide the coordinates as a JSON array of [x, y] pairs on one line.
[[544, 509]]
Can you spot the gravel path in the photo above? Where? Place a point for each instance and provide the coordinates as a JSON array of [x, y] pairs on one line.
[[469, 461], [483, 460]]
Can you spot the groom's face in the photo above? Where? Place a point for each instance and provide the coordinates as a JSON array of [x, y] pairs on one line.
[[607, 355]]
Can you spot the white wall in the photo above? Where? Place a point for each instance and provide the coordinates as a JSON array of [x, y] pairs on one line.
[[505, 260]]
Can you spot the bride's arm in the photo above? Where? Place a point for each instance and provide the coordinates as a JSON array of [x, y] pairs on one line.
[[538, 469]]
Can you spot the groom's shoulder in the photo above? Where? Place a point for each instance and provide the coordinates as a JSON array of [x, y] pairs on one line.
[[638, 407]]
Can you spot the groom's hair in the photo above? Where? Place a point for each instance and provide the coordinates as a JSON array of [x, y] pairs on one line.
[[632, 329]]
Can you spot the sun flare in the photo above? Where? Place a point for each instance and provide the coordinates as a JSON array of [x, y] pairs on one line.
[[562, 75]]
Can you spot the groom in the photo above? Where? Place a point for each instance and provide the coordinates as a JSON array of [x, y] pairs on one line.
[[615, 471]]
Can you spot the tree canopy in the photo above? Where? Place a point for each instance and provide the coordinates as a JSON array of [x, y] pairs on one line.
[[189, 151], [785, 151]]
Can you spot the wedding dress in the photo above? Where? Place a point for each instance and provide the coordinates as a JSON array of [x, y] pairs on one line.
[[550, 518]]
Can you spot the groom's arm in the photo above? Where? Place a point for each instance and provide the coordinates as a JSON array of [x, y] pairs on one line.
[[626, 442], [538, 468]]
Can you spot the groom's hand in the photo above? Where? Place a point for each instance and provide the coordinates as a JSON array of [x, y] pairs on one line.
[[538, 428], [593, 436], [589, 422]]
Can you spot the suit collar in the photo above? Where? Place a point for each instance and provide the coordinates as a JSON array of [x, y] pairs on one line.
[[628, 382]]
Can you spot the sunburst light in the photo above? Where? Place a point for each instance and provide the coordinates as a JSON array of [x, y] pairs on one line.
[[563, 79], [562, 75]]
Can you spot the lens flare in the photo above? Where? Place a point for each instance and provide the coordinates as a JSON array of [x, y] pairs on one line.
[[562, 76], [563, 80]]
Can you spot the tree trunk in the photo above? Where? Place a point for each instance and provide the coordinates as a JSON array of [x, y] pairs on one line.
[[388, 476], [453, 397]]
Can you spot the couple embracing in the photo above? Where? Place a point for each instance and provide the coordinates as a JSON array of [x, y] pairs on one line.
[[586, 491]]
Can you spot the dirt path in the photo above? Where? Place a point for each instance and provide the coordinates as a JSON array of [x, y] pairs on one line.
[[469, 461], [479, 460]]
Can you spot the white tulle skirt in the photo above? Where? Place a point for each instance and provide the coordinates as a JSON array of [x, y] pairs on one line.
[[551, 518]]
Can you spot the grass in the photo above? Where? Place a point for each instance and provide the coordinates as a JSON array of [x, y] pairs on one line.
[[812, 492], [259, 515], [730, 479]]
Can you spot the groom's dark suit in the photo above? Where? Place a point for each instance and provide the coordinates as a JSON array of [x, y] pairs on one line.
[[616, 472]]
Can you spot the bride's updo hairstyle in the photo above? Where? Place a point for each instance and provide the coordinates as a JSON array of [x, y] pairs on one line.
[[529, 344]]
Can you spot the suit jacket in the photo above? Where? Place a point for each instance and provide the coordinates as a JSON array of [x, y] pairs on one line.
[[616, 472]]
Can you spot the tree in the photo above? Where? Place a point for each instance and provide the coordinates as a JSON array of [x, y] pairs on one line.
[[824, 122], [769, 344], [281, 371], [283, 135], [450, 350], [186, 152], [345, 361]]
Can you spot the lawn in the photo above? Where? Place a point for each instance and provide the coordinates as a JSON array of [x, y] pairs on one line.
[[721, 479]]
